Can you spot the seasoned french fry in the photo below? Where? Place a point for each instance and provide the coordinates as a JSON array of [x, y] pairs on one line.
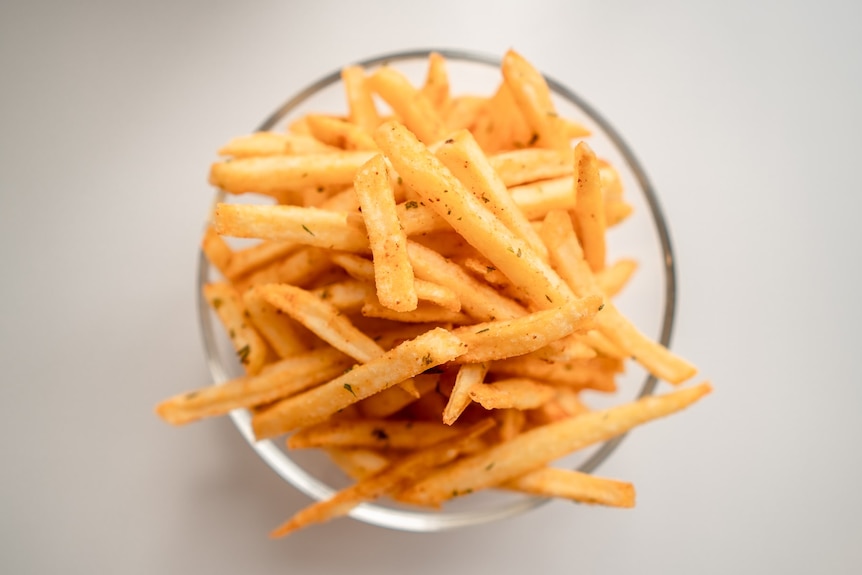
[[424, 173], [339, 133], [506, 338], [287, 377], [574, 485], [358, 463], [403, 362], [533, 97], [300, 268], [461, 154], [376, 433], [248, 260], [510, 423], [411, 105], [273, 144], [527, 165], [436, 87], [227, 303], [589, 212], [538, 447], [469, 375], [580, 374], [393, 273], [395, 399], [463, 112], [216, 250], [614, 277], [279, 331], [273, 174], [348, 296], [513, 393], [359, 101], [536, 200]]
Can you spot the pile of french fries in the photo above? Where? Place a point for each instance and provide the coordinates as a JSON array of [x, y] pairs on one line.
[[429, 294]]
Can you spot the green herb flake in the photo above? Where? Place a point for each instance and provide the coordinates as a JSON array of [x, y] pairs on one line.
[[379, 434], [412, 204], [400, 180], [349, 388], [485, 199], [601, 307], [191, 395], [308, 230], [489, 466], [484, 330], [242, 354], [533, 139], [217, 302], [547, 297], [427, 359], [232, 334]]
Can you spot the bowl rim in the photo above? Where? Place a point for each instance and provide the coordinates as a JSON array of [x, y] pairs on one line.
[[423, 521]]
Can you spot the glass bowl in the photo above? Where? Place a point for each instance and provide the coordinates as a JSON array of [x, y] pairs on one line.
[[648, 299]]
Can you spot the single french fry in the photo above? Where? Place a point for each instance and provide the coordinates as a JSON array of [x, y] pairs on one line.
[[348, 296], [308, 226], [568, 348], [574, 130], [461, 154], [596, 374], [538, 447], [390, 480], [589, 211], [250, 347], [394, 399], [575, 485], [469, 375], [393, 273], [425, 312], [360, 103], [270, 175], [513, 393], [436, 86], [403, 362], [518, 167], [533, 97], [510, 423], [478, 300], [300, 268], [616, 212], [248, 260], [411, 105], [567, 257], [570, 401], [339, 133], [282, 379], [273, 144], [537, 199], [375, 433], [599, 342], [424, 173], [506, 338], [279, 331], [463, 112]]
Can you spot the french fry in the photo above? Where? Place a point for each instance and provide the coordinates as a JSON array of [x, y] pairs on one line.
[[536, 200], [216, 250], [461, 154], [308, 226], [287, 377], [469, 375], [436, 86], [463, 112], [613, 278], [363, 113], [533, 98], [574, 485], [425, 312], [390, 480], [424, 173], [510, 423], [538, 447], [348, 296], [518, 167], [393, 273], [339, 133], [279, 331], [506, 338], [300, 268], [394, 399], [251, 350], [358, 463], [403, 362], [579, 374], [273, 144], [514, 393], [271, 175], [589, 212], [411, 105], [248, 260], [374, 433]]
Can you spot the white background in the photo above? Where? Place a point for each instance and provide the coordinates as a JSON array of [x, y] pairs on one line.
[[747, 117]]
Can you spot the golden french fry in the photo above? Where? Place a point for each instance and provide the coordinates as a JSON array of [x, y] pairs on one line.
[[390, 480], [596, 374], [506, 338], [463, 112], [589, 211], [469, 375], [273, 174], [533, 97], [616, 212], [510, 423], [536, 200], [250, 348], [538, 447], [394, 399], [425, 312], [568, 348], [376, 433], [348, 296], [216, 250], [513, 393], [574, 485], [403, 362], [393, 273], [411, 105], [614, 277], [363, 113], [273, 144], [282, 379], [300, 268], [358, 463], [436, 87], [424, 173], [248, 260], [339, 133], [523, 166], [461, 154], [309, 226]]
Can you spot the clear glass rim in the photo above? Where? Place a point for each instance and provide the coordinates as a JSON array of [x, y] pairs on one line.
[[420, 521]]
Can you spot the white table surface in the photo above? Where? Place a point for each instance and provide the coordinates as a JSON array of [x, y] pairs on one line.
[[747, 116]]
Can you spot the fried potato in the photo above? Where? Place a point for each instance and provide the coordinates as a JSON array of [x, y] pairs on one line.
[[251, 350]]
